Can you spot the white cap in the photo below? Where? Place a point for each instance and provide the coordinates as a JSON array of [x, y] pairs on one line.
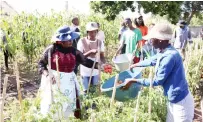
[[91, 26]]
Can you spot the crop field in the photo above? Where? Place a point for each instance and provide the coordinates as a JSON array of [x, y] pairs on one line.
[[22, 99]]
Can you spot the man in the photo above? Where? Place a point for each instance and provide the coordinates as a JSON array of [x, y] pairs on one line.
[[100, 34], [131, 38], [169, 73], [4, 47], [75, 28], [181, 35], [120, 34]]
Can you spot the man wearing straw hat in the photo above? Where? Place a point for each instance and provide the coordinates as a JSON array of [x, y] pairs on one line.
[[181, 35], [169, 73], [89, 47]]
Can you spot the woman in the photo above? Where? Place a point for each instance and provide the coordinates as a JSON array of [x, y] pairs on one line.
[[68, 56], [131, 38], [88, 46], [169, 73], [139, 22]]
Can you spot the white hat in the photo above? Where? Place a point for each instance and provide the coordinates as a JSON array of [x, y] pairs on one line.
[[160, 31], [91, 26]]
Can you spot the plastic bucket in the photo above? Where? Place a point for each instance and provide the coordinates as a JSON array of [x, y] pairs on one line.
[[132, 92], [122, 62]]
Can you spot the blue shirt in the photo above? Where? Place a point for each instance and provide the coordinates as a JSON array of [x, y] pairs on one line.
[[169, 73]]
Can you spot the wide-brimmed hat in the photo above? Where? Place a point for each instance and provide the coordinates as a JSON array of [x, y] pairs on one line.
[[160, 31], [91, 26], [64, 34], [181, 23]]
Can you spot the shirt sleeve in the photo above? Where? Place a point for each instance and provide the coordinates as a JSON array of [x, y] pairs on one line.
[[123, 38], [163, 71], [102, 46], [81, 59], [148, 62], [139, 35], [43, 62], [80, 46]]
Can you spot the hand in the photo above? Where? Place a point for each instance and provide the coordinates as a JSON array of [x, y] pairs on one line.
[[115, 56], [132, 66], [52, 78], [127, 83], [46, 73], [93, 51]]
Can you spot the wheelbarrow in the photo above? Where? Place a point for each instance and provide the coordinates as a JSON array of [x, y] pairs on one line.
[[123, 95]]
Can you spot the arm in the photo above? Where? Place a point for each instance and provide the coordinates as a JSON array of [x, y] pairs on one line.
[[81, 59], [147, 62], [43, 62], [164, 70], [121, 44], [102, 57]]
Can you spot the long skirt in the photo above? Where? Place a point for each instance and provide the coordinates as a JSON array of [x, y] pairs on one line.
[[65, 93]]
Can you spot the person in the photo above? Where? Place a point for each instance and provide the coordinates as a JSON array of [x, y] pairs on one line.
[[131, 37], [201, 34], [4, 47], [100, 34], [182, 35], [139, 22], [89, 46], [68, 56], [148, 48], [120, 34], [75, 28], [169, 73]]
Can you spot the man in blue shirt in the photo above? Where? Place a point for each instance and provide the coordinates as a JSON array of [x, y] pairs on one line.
[[169, 73]]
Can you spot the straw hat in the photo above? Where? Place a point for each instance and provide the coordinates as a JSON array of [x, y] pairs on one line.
[[160, 31], [64, 34]]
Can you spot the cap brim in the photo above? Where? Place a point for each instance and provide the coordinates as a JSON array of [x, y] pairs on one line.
[[92, 29], [74, 35]]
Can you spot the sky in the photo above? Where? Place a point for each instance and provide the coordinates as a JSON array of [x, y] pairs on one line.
[[43, 6], [46, 5]]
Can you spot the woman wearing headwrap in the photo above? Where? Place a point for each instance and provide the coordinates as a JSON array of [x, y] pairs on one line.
[[68, 56]]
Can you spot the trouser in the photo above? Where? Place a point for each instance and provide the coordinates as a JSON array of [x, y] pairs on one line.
[[182, 111], [182, 53], [85, 81], [123, 49]]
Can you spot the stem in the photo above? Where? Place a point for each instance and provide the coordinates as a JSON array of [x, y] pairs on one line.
[[150, 90], [18, 88], [58, 74], [137, 106], [3, 97], [49, 70], [114, 90]]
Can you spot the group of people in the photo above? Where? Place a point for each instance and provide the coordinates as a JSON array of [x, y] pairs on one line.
[[70, 51]]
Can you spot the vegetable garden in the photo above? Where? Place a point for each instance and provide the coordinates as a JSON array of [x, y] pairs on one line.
[[24, 78]]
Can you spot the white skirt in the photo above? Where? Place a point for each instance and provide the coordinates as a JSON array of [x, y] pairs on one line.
[[68, 86]]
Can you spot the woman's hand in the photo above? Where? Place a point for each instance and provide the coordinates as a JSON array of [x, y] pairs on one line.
[[93, 51], [128, 82], [52, 78]]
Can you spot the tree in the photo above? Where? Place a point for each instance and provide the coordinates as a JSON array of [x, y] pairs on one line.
[[173, 9], [192, 8]]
